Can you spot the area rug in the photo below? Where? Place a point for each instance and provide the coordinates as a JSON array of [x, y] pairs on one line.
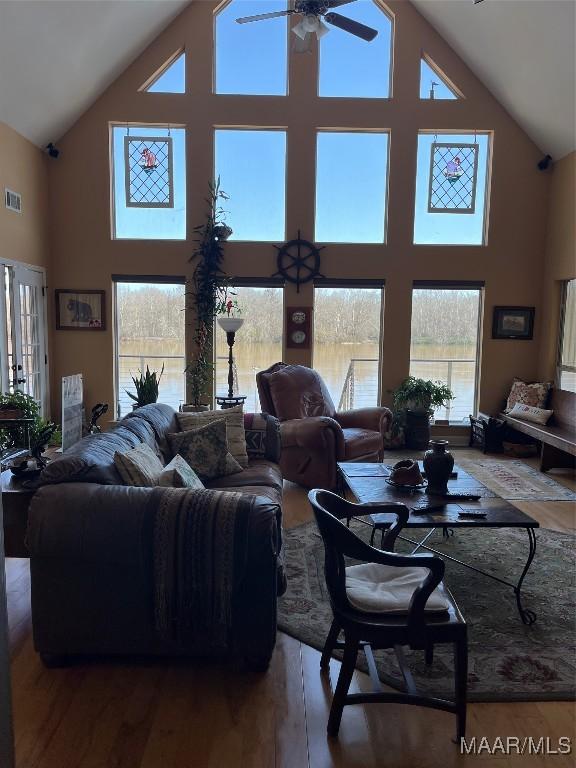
[[511, 479], [508, 661]]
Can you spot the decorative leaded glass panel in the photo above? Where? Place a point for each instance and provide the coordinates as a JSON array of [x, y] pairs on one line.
[[453, 173], [148, 171]]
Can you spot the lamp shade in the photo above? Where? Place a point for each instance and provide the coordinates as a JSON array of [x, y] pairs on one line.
[[230, 324]]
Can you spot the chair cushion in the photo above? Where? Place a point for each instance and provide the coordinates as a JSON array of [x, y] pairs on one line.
[[259, 472], [376, 588], [235, 436], [361, 442], [298, 392]]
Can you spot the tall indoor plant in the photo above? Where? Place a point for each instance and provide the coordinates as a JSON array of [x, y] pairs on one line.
[[414, 403], [210, 283]]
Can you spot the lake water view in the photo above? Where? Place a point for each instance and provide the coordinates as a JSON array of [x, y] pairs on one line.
[[331, 360]]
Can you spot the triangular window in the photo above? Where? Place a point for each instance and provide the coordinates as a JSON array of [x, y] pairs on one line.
[[170, 78], [434, 84]]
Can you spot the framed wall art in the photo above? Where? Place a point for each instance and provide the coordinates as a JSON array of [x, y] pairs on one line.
[[513, 323], [80, 310]]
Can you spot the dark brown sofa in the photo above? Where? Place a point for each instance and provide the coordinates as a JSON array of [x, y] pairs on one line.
[[314, 435], [90, 542]]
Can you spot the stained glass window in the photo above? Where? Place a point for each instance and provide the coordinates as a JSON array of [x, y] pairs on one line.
[[453, 174], [148, 172], [444, 223], [148, 182]]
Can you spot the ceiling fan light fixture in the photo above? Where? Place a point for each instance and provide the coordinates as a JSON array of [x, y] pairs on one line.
[[311, 22], [299, 30], [322, 29]]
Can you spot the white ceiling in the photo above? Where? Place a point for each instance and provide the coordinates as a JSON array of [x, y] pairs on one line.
[[58, 56], [523, 52]]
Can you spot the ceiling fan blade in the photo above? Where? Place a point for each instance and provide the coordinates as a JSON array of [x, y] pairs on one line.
[[262, 16], [302, 44], [336, 3], [349, 25]]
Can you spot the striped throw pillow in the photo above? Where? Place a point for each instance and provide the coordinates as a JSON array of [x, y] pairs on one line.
[[139, 466]]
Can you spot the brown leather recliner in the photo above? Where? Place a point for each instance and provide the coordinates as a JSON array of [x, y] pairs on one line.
[[314, 435]]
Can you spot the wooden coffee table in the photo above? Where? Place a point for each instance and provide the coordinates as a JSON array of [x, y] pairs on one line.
[[367, 482]]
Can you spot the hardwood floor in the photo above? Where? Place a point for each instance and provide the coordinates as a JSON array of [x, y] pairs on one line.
[[105, 715]]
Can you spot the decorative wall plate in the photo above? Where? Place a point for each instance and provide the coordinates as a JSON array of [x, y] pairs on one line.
[[298, 327]]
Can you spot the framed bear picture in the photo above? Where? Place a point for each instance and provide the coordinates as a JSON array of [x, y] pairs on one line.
[[80, 310]]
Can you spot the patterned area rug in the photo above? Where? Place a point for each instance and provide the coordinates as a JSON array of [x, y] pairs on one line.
[[507, 660], [510, 479]]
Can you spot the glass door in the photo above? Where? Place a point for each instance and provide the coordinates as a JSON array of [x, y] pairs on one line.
[[23, 345]]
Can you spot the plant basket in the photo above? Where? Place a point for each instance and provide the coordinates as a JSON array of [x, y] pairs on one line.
[[417, 430]]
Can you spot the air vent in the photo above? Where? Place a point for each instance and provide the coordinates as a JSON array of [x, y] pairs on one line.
[[13, 201]]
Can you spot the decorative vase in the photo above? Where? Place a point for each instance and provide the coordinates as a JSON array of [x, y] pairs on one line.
[[438, 466], [230, 324], [417, 430]]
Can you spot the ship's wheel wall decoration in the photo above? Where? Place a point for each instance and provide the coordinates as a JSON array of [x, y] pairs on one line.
[[298, 261], [453, 174]]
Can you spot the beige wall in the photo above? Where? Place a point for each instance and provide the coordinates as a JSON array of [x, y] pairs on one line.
[[511, 264], [24, 236], [560, 262]]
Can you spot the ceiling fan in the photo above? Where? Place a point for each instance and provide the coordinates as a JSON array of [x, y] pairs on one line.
[[314, 13]]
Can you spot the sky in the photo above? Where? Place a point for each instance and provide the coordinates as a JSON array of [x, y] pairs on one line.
[[351, 193]]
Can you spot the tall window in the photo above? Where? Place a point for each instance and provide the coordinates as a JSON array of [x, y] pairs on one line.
[[351, 182], [567, 347], [445, 344], [347, 332], [252, 169], [251, 58], [149, 183], [350, 66], [451, 189], [258, 342], [150, 332]]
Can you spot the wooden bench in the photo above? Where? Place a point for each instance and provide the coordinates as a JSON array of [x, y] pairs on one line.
[[558, 437]]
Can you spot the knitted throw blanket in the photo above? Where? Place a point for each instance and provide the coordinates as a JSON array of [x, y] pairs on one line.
[[199, 551]]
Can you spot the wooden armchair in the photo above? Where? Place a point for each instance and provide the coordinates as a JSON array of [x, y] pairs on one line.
[[388, 601]]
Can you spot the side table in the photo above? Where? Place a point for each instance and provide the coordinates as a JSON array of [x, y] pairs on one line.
[[15, 500]]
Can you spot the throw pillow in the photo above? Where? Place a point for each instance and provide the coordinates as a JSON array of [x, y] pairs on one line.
[[262, 436], [205, 449], [179, 474], [139, 466], [530, 413], [535, 394], [235, 434]]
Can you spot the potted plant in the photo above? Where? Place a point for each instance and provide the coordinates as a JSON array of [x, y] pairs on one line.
[[147, 385], [210, 291], [19, 405], [414, 403]]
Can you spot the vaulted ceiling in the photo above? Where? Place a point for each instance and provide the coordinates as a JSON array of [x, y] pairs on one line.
[[58, 56]]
